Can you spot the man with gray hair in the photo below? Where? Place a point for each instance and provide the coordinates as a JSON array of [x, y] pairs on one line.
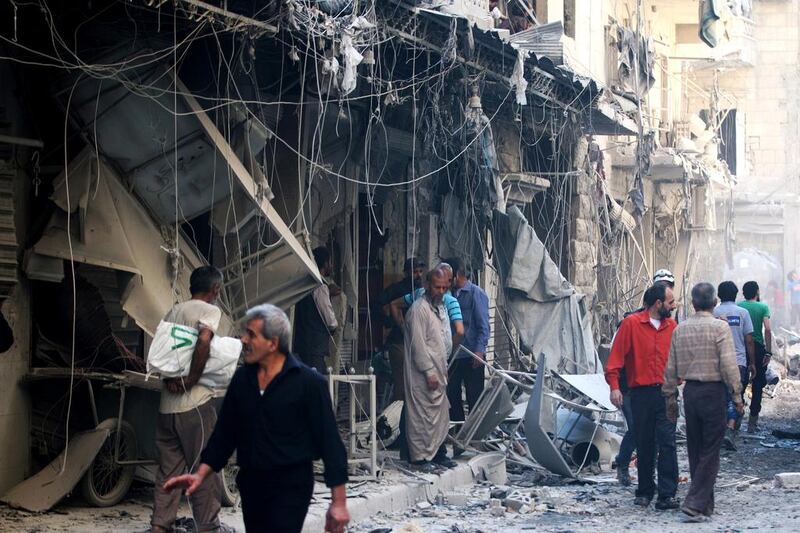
[[278, 417], [702, 354], [427, 347]]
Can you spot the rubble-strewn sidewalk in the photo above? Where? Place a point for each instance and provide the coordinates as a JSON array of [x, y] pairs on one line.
[[747, 498]]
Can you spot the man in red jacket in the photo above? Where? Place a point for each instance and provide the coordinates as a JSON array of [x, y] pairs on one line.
[[641, 347]]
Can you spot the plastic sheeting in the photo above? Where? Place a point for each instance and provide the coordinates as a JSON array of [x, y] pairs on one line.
[[544, 307], [118, 233], [710, 13]]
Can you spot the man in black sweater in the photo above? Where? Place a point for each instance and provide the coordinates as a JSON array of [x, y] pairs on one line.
[[278, 416]]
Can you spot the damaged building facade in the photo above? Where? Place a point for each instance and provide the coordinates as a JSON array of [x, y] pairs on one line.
[[564, 149]]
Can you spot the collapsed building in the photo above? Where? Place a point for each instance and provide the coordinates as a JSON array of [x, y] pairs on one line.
[[145, 139]]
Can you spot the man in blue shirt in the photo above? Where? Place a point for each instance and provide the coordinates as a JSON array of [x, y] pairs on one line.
[[465, 371], [399, 307], [742, 330]]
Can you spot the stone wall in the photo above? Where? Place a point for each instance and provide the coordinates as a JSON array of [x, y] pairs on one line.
[[767, 95], [584, 233]]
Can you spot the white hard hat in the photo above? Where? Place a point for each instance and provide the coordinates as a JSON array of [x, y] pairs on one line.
[[664, 275]]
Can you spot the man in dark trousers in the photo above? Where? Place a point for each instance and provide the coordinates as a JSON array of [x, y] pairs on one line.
[[314, 319], [741, 325], [413, 269], [465, 371], [186, 414], [641, 347], [762, 338], [702, 355], [628, 444], [278, 417]]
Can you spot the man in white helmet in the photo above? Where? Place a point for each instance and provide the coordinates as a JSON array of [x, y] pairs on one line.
[[664, 276]]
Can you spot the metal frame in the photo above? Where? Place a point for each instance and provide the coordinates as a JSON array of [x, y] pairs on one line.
[[112, 381], [354, 455], [247, 182]]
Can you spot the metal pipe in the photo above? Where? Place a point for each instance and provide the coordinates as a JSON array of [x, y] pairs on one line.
[[21, 141], [92, 403]]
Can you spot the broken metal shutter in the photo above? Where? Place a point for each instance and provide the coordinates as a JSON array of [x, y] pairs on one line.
[[8, 235]]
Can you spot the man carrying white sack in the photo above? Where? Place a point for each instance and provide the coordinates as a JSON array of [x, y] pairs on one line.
[[186, 415]]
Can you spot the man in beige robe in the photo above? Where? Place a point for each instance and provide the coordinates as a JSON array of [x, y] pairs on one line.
[[427, 407]]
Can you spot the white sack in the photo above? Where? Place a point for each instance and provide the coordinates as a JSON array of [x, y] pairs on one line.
[[171, 352]]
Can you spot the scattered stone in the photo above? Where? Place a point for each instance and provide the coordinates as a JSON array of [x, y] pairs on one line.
[[787, 480], [500, 491], [497, 511], [423, 505], [456, 500], [516, 500]]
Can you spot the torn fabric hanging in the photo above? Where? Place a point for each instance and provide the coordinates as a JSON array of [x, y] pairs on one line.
[[544, 307], [635, 62], [518, 80]]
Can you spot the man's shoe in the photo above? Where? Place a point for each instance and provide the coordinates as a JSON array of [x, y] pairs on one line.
[[623, 475], [641, 501], [752, 424], [695, 516], [426, 467], [730, 439], [665, 504], [445, 462]]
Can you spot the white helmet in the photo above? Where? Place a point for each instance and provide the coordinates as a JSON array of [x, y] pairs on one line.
[[665, 276]]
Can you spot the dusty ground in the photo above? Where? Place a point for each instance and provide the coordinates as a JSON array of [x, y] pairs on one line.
[[554, 506], [606, 506]]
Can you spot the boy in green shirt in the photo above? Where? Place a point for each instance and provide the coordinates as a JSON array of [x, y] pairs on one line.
[[759, 313]]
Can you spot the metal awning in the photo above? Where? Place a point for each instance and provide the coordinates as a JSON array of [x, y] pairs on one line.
[[179, 165]]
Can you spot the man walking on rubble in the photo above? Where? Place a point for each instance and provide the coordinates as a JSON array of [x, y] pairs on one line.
[[278, 417], [427, 416], [314, 319], [465, 371], [741, 325], [762, 338], [702, 355], [628, 444], [641, 347], [414, 269], [186, 415]]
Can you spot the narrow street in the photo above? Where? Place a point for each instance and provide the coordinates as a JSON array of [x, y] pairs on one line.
[[326, 246], [746, 498], [558, 506]]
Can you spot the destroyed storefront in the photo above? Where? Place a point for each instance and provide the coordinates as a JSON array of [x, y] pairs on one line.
[[243, 143]]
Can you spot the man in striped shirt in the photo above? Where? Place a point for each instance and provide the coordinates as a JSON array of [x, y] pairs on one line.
[[702, 354]]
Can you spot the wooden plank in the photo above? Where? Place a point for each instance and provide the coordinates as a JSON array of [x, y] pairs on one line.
[[248, 183], [47, 487]]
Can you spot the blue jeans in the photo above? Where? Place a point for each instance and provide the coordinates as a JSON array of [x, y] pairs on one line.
[[628, 444], [744, 375]]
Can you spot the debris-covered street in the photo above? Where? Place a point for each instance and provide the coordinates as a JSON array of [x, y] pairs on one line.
[[306, 266], [747, 497]]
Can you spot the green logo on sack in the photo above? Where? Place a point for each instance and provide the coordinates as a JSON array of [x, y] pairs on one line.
[[183, 337]]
